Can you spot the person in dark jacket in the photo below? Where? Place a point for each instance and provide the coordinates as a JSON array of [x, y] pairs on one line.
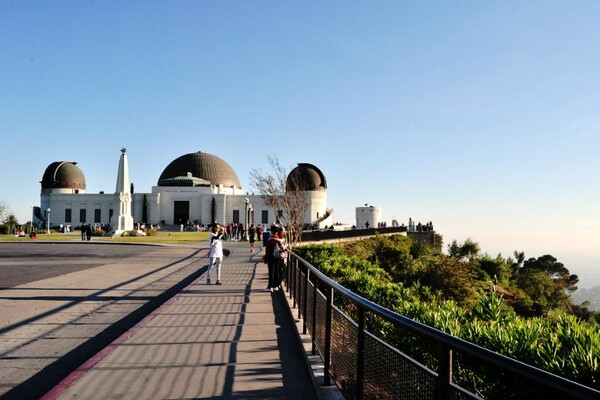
[[275, 256], [88, 232], [252, 238]]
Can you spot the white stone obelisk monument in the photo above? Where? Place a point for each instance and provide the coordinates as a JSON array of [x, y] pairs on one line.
[[122, 220]]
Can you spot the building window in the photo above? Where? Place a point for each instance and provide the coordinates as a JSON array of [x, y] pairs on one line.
[[236, 216], [97, 215], [68, 215], [110, 214], [265, 217], [82, 215]]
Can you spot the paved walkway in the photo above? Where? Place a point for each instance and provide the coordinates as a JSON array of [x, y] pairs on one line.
[[235, 341]]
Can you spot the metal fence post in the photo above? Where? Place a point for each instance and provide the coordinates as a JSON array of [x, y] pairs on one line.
[[328, 317], [305, 301], [292, 273], [444, 372], [314, 317], [299, 292], [360, 354]]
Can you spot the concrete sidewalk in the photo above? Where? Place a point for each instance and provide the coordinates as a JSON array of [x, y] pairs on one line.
[[235, 341]]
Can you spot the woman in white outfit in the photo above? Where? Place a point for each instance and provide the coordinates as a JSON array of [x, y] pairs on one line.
[[216, 253]]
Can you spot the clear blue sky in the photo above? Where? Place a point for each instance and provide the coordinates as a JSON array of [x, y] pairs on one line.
[[481, 116]]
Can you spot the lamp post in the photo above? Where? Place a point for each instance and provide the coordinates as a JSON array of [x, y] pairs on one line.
[[250, 214], [246, 202], [48, 218]]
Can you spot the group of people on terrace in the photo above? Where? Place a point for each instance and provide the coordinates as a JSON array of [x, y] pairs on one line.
[[275, 251], [419, 227], [237, 231]]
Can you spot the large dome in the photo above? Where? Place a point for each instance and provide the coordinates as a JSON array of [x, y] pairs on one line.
[[306, 177], [207, 168], [63, 175]]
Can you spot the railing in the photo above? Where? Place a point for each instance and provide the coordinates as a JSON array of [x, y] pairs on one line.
[[365, 367], [315, 236]]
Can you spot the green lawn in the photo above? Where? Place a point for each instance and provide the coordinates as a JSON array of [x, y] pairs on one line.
[[162, 237]]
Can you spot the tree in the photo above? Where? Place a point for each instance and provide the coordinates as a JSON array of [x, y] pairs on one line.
[[282, 191], [3, 210], [11, 222], [452, 277], [539, 288], [469, 249], [556, 274], [495, 268], [438, 241], [516, 263]]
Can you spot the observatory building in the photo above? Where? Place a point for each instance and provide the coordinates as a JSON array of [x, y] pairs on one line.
[[198, 187]]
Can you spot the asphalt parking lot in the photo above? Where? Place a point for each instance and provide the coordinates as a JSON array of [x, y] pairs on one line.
[[63, 302], [28, 261]]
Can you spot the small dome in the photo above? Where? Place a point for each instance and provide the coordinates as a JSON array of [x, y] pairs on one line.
[[63, 175], [307, 177], [204, 166]]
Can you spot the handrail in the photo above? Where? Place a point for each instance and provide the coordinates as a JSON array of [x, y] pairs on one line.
[[544, 378]]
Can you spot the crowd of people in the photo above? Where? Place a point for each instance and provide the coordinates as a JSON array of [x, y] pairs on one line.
[[275, 250], [419, 227], [236, 231]]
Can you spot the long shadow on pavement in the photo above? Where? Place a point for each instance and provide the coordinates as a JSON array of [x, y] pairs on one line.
[[50, 376]]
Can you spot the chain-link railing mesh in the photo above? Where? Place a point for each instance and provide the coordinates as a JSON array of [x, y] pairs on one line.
[[321, 303], [300, 295], [495, 383], [390, 375], [309, 308], [344, 342]]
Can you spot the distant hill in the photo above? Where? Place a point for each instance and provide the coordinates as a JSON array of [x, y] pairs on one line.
[[592, 295]]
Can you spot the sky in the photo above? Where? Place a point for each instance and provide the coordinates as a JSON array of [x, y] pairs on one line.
[[480, 116]]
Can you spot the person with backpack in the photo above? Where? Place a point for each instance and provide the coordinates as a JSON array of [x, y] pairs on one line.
[[275, 256]]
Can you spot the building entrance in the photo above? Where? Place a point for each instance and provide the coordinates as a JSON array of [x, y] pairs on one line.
[[181, 212]]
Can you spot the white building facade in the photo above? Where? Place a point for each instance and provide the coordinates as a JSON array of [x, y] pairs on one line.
[[197, 188], [368, 217]]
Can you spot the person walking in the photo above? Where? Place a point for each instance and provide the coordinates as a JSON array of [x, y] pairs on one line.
[[275, 256], [252, 237], [83, 231], [242, 232], [88, 232], [235, 231], [215, 256]]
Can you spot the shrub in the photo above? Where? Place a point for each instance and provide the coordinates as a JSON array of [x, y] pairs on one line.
[[452, 277]]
